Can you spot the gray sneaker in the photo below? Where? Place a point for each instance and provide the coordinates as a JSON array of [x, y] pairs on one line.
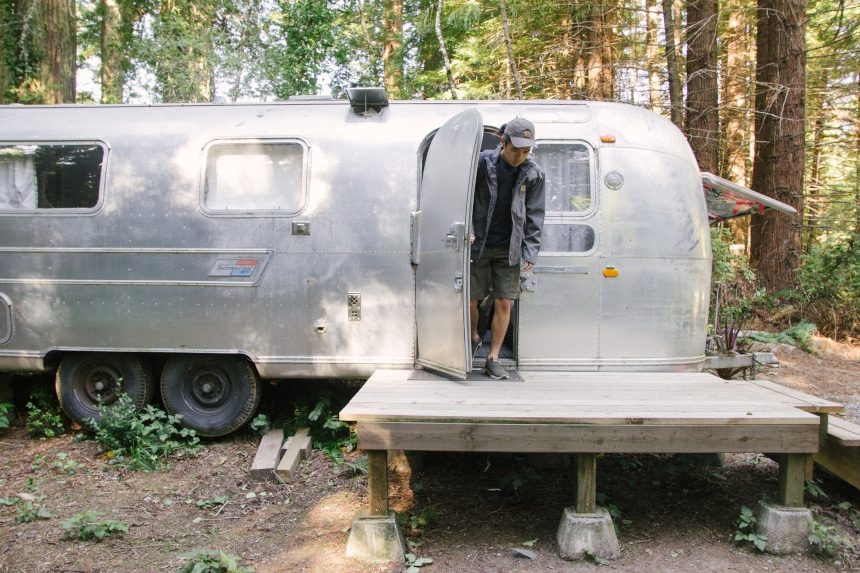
[[494, 370], [476, 344]]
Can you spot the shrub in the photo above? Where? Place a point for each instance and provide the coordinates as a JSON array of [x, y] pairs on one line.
[[211, 561], [142, 439], [829, 278], [86, 526]]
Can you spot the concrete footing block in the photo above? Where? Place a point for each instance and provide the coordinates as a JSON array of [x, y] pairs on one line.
[[587, 534], [375, 539], [786, 528]]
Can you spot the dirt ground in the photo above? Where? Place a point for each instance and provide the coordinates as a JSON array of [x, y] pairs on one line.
[[672, 516]]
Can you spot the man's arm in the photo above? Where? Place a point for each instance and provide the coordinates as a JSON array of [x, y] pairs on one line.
[[535, 212]]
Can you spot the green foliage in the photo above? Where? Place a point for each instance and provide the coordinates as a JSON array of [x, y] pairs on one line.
[[142, 440], [520, 477], [6, 410], [212, 561], [799, 335], [728, 267], [307, 36], [321, 418], [32, 509], [416, 522], [830, 284], [260, 424], [335, 454], [414, 564], [9, 501], [44, 422], [213, 502], [86, 527], [746, 529], [814, 489], [827, 539]]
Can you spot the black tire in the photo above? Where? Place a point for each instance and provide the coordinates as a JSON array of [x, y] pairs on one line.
[[86, 380], [214, 394]]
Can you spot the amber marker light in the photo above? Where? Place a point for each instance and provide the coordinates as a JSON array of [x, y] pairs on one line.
[[610, 272], [607, 138]]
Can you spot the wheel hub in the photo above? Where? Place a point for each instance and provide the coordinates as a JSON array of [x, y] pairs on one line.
[[210, 388], [101, 383]]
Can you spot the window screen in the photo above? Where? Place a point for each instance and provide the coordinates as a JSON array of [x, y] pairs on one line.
[[568, 176], [50, 176], [243, 176]]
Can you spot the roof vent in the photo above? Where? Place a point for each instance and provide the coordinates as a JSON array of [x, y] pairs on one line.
[[367, 101]]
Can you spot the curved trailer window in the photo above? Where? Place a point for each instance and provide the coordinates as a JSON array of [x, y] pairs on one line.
[[569, 195], [35, 176], [254, 176], [568, 176]]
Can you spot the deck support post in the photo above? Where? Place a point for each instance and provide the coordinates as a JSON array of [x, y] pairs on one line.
[[585, 529], [377, 482], [792, 479], [375, 535], [786, 523], [586, 483]]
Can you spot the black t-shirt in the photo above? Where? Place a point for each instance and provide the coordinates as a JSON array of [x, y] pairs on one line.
[[501, 227]]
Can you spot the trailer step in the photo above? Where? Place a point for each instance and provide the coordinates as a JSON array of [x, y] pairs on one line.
[[840, 452]]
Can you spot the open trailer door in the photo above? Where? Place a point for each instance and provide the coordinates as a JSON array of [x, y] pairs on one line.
[[441, 251], [727, 200]]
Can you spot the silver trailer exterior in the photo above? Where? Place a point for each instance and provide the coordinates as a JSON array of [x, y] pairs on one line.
[[296, 240]]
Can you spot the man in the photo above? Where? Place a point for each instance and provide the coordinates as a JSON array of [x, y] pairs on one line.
[[507, 219]]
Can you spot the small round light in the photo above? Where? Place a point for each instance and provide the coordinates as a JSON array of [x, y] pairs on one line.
[[614, 180]]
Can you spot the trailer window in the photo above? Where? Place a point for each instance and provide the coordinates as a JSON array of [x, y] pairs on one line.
[[50, 176], [568, 176], [566, 238], [254, 176]]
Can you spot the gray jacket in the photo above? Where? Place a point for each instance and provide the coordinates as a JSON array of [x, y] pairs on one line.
[[527, 208]]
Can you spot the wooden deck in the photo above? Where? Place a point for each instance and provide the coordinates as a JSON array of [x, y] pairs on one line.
[[586, 414]]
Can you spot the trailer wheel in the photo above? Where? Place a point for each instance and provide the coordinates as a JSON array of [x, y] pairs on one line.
[[215, 395], [87, 380]]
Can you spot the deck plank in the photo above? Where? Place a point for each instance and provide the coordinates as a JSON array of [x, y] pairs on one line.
[[583, 398], [569, 438]]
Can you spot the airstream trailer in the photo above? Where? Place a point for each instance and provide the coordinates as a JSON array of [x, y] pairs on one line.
[[328, 238]]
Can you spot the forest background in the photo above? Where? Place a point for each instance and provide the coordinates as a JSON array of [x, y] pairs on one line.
[[767, 92]]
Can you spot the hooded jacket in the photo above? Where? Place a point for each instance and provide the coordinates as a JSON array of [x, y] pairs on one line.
[[527, 207]]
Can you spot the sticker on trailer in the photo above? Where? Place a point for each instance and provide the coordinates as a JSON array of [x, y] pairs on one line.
[[233, 267]]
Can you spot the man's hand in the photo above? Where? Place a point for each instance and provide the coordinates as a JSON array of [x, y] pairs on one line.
[[526, 267]]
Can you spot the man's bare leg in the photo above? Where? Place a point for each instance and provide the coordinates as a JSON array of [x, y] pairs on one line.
[[473, 319], [499, 327]]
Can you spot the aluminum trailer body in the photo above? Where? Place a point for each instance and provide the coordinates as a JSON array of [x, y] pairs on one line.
[[315, 239]]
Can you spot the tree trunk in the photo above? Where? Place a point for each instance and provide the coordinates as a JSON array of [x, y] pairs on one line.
[[735, 159], [6, 41], [599, 46], [444, 52], [672, 64], [50, 27], [652, 53], [779, 136], [392, 51], [702, 90], [112, 72], [511, 61]]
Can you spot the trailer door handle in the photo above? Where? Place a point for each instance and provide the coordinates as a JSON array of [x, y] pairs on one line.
[[456, 237]]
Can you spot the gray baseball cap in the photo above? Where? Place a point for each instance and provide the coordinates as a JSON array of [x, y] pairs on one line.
[[521, 131]]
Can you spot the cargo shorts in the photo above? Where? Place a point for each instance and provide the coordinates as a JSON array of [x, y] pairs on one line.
[[493, 274]]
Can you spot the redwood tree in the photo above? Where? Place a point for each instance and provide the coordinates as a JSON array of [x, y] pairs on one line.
[[778, 165], [702, 89]]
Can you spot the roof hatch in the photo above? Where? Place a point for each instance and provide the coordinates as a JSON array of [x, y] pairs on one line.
[[367, 101], [727, 200]]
